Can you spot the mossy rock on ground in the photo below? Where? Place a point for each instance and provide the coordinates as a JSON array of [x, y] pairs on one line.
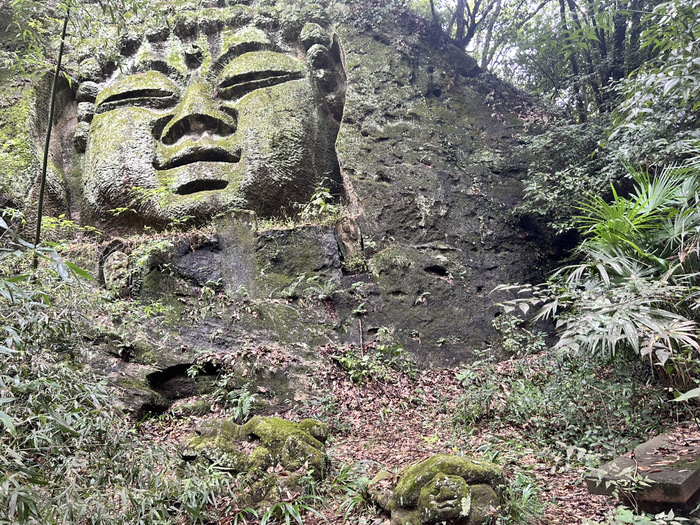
[[441, 489], [291, 450]]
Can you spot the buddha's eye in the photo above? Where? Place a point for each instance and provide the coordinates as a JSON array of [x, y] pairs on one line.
[[150, 89], [138, 94], [239, 85], [255, 70]]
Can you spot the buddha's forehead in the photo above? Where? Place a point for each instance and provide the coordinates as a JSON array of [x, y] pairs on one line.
[[207, 54]]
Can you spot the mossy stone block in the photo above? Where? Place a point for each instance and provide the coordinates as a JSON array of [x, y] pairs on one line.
[[274, 432], [483, 502], [405, 517], [417, 476], [261, 458], [216, 442], [316, 429], [297, 454]]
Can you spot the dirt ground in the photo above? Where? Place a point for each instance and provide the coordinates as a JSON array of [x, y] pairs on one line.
[[391, 424]]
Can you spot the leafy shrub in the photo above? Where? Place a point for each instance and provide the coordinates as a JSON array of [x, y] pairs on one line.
[[377, 361], [321, 206], [565, 163], [516, 338], [635, 287], [556, 398], [67, 454], [522, 502], [656, 121]]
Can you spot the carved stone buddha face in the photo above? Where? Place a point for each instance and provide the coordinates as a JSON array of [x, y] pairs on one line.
[[211, 116]]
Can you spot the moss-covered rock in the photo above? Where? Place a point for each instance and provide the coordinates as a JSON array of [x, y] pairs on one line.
[[417, 476], [445, 499], [217, 443], [484, 501], [441, 489], [291, 444], [275, 443], [317, 429]]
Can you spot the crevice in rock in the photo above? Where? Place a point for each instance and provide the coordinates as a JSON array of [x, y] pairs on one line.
[[201, 185], [437, 269], [173, 382]]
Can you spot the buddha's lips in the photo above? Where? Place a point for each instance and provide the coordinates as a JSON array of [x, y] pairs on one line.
[[197, 153]]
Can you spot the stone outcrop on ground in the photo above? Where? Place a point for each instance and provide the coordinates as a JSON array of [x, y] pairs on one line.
[[271, 453]]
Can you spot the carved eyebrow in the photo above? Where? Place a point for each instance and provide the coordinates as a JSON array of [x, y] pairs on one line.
[[256, 70], [147, 85], [238, 49]]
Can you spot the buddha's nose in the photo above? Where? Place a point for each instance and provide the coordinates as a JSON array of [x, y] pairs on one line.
[[196, 116]]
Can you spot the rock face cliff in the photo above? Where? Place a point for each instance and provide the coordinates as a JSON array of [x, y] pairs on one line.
[[429, 144], [404, 231]]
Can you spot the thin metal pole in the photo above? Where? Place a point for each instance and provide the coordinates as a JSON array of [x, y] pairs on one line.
[[52, 107]]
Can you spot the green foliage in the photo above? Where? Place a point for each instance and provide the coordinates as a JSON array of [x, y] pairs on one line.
[[657, 118], [565, 163], [288, 512], [35, 23], [226, 392], [647, 118], [556, 398], [351, 482], [312, 287], [626, 515], [67, 454], [151, 253], [627, 485], [516, 339], [321, 207], [522, 502], [379, 360], [635, 288], [17, 157]]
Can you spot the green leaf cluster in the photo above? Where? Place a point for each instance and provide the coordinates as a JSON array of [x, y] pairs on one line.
[[636, 287]]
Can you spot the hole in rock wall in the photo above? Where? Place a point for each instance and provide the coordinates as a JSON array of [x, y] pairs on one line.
[[173, 382], [437, 269]]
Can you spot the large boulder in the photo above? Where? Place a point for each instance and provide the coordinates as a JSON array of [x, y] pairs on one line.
[[334, 174]]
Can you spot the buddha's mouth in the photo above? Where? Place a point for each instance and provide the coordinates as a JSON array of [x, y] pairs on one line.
[[200, 166]]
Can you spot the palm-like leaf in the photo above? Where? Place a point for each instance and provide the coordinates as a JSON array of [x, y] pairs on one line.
[[636, 286]]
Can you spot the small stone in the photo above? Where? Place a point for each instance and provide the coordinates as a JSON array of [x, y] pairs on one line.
[[116, 273], [86, 111], [80, 136]]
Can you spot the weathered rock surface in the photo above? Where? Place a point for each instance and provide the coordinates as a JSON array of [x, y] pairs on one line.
[[426, 163], [661, 474]]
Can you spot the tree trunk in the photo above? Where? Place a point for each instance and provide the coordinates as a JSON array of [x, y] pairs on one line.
[[618, 45], [591, 72], [49, 126], [575, 72]]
